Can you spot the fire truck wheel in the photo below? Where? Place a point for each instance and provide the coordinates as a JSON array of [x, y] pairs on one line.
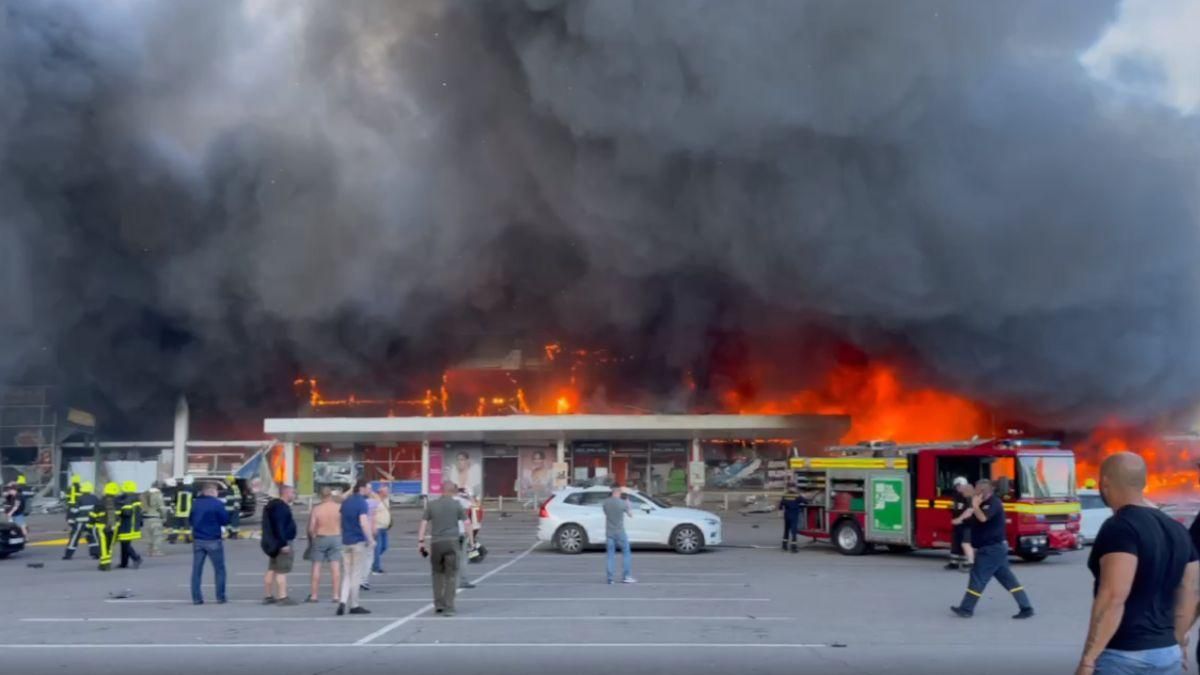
[[1033, 557], [686, 539], [848, 538], [570, 538]]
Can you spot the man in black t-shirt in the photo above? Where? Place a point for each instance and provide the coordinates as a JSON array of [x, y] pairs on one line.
[[1146, 575], [990, 540], [962, 554]]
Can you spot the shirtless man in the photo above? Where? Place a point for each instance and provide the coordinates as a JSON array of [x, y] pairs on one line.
[[325, 533]]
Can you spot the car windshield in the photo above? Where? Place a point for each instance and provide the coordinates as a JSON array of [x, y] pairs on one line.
[[1047, 477], [658, 501]]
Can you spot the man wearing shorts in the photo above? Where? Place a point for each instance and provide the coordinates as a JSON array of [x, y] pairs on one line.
[[279, 529], [325, 537]]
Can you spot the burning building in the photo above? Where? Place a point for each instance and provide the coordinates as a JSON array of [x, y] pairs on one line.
[[929, 218]]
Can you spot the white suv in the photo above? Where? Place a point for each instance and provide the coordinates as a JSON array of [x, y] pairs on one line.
[[573, 519]]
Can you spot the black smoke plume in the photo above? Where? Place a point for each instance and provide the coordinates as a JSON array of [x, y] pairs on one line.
[[213, 196]]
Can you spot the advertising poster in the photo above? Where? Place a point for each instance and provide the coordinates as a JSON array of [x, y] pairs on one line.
[[435, 471], [536, 479], [463, 465]]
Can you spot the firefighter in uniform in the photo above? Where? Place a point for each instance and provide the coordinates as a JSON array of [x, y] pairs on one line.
[[106, 517], [153, 508], [79, 515], [130, 524], [991, 554], [791, 504], [170, 490], [233, 505], [72, 495], [183, 512]]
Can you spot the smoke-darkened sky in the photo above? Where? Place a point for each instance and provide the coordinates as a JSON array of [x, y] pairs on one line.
[[209, 196]]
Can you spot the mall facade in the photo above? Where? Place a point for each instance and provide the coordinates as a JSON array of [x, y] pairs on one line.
[[527, 457]]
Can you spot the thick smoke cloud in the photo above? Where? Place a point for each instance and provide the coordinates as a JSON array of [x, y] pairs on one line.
[[210, 196]]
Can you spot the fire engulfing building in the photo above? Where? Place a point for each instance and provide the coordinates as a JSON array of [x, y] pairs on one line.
[[528, 456]]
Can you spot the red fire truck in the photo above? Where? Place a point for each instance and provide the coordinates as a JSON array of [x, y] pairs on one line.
[[901, 495]]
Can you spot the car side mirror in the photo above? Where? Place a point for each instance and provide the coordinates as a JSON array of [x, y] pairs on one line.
[[647, 509]]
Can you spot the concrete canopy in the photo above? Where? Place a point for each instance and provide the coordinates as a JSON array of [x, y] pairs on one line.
[[511, 428]]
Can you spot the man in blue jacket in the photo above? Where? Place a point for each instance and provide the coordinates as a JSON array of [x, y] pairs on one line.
[[207, 518]]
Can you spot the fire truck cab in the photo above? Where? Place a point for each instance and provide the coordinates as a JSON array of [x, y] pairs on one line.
[[901, 495]]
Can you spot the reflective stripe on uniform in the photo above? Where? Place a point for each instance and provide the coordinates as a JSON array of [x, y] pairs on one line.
[[1018, 588], [975, 593]]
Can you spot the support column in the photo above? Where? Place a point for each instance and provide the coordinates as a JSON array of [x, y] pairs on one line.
[[562, 476], [425, 467], [179, 443], [695, 476], [289, 463]]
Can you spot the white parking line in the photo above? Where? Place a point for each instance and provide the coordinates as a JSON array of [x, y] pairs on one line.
[[177, 601], [431, 645], [535, 584], [339, 619], [196, 619], [400, 622], [640, 574]]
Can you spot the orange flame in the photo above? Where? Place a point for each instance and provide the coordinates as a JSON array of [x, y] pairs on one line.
[[880, 407]]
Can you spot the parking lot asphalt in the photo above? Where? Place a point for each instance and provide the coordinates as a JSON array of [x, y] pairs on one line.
[[745, 607]]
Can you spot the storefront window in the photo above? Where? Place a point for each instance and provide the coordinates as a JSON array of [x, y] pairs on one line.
[[745, 466]]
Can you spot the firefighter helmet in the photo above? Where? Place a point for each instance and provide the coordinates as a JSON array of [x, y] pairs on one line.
[[129, 486], [188, 480], [76, 479], [170, 482], [20, 479], [112, 489], [1089, 484], [86, 487]]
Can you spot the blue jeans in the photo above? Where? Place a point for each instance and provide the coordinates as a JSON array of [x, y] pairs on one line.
[[214, 551], [1162, 661], [381, 546], [612, 541]]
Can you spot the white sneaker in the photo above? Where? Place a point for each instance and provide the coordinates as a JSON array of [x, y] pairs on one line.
[[629, 580]]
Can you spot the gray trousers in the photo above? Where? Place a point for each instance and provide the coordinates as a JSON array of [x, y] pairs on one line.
[[462, 562], [444, 561]]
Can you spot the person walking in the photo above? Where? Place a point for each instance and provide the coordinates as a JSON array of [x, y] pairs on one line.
[[131, 524], [383, 523], [962, 554], [372, 512], [278, 531], [358, 542], [616, 510], [791, 504], [325, 542], [81, 521], [1146, 573], [443, 520], [153, 510], [206, 520], [463, 497], [106, 520], [991, 554]]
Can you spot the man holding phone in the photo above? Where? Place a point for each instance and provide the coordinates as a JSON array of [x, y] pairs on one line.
[[442, 519], [616, 509]]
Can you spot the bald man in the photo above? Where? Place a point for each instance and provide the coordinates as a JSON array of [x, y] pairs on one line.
[[1146, 575]]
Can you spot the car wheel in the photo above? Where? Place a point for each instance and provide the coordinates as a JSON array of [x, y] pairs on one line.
[[687, 539], [848, 538], [570, 539]]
